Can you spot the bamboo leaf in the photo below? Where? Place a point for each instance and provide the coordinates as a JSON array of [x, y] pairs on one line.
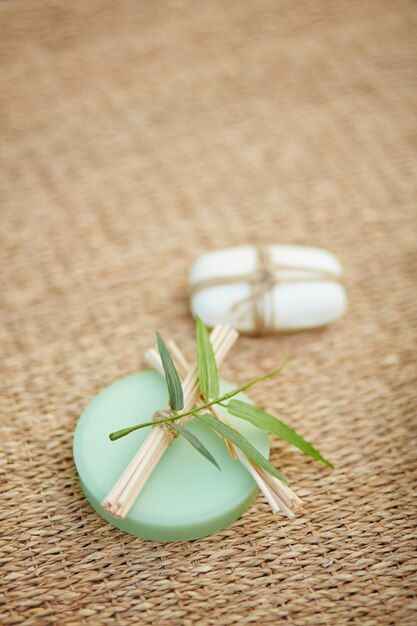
[[176, 396], [206, 362], [230, 394], [242, 443], [271, 424], [195, 441]]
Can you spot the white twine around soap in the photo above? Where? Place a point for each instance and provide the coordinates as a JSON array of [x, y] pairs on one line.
[[262, 279]]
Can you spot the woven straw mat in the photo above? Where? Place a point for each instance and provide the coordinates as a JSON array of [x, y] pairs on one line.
[[135, 136]]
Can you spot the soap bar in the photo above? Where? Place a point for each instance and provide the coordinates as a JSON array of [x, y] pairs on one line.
[[186, 497], [265, 289]]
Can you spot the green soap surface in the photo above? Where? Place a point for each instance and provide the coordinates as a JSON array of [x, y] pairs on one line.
[[186, 497]]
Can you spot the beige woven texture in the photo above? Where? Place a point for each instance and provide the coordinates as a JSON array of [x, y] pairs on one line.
[[135, 136]]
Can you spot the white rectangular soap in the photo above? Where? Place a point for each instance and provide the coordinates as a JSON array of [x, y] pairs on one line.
[[268, 289]]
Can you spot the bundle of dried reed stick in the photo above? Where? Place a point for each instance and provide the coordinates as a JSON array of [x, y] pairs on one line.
[[123, 494]]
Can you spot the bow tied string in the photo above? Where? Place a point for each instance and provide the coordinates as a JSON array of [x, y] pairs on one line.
[[262, 281]]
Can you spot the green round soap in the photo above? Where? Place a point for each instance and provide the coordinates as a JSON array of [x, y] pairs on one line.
[[186, 497]]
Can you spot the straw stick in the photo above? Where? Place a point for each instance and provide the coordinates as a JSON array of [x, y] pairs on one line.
[[124, 492], [278, 495]]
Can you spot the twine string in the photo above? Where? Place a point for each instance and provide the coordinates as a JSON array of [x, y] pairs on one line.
[[262, 280], [161, 415]]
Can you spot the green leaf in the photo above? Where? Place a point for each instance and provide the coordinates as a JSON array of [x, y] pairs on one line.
[[265, 421], [239, 440], [198, 445], [230, 394], [206, 362], [176, 396]]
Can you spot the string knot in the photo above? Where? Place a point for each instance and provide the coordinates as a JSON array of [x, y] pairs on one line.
[[262, 280], [161, 415], [265, 278]]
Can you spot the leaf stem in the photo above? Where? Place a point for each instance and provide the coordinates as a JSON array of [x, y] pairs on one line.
[[126, 431]]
